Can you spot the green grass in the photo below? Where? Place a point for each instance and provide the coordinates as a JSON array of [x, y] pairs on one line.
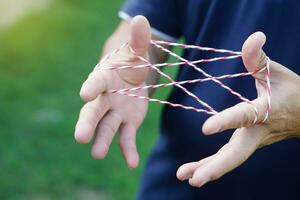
[[43, 60]]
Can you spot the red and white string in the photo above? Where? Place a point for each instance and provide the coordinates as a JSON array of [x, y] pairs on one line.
[[180, 84]]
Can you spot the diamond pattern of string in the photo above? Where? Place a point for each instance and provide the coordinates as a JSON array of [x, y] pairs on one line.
[[162, 45]]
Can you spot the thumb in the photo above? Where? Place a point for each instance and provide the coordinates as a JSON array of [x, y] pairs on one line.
[[140, 35], [254, 57]]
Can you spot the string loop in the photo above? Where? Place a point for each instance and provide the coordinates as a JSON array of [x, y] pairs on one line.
[[180, 84]]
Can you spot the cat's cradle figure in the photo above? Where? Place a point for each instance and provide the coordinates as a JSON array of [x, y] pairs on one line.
[[228, 55]]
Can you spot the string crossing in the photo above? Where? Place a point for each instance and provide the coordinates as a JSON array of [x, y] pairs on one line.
[[162, 45]]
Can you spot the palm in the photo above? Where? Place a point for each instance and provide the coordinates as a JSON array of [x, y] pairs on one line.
[[131, 110]]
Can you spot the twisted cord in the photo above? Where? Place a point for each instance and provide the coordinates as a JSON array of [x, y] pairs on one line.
[[184, 62]]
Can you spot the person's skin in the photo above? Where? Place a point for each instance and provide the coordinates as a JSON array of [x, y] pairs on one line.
[[283, 121], [105, 114]]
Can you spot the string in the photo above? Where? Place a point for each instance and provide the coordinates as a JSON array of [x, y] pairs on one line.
[[186, 63]]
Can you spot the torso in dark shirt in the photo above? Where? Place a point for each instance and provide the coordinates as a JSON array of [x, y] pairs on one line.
[[271, 173]]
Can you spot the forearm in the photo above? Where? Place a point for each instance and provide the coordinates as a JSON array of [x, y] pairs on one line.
[[120, 36]]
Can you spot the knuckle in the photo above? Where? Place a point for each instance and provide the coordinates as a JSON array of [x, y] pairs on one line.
[[127, 142], [262, 59], [248, 118], [107, 127], [260, 63], [104, 140]]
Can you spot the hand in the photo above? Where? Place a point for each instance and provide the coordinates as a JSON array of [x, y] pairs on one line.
[[283, 121], [104, 114]]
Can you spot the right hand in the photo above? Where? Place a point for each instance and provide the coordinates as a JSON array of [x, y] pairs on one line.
[[104, 114]]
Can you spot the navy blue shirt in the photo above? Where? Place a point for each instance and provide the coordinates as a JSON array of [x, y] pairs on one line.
[[272, 172]]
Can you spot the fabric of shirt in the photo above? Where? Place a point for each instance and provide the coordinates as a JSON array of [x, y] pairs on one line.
[[272, 172]]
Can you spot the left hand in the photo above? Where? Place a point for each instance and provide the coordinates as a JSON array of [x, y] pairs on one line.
[[283, 121]]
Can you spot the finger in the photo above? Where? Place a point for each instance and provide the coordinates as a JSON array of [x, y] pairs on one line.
[[233, 154], [100, 81], [89, 116], [96, 83], [241, 115], [140, 35], [137, 53], [186, 171], [127, 142], [105, 133], [254, 57]]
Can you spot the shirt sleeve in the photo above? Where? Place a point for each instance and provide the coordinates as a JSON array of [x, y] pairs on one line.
[[162, 16]]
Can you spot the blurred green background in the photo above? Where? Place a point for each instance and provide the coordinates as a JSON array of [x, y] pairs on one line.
[[47, 48]]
